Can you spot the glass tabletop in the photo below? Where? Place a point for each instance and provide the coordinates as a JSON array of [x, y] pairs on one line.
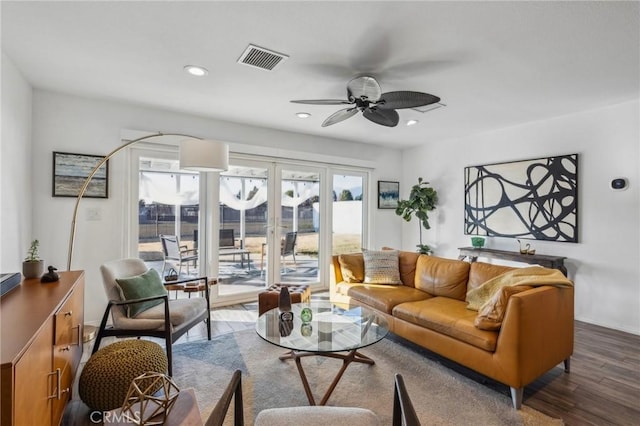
[[332, 328]]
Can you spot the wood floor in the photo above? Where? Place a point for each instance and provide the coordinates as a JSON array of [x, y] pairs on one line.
[[603, 387]]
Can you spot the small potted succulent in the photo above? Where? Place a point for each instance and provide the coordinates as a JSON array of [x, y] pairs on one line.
[[33, 266]]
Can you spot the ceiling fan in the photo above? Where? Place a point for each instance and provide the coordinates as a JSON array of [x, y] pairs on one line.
[[365, 95]]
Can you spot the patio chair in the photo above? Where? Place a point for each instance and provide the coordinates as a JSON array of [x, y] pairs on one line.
[[228, 247], [288, 247], [173, 251]]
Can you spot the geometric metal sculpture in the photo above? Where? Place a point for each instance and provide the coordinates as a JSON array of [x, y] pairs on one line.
[[150, 399]]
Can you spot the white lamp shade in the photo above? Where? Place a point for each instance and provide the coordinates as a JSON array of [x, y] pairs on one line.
[[204, 155]]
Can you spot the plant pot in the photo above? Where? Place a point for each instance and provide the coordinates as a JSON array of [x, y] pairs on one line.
[[33, 269]]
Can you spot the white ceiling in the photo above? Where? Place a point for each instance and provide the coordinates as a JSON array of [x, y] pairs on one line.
[[494, 64]]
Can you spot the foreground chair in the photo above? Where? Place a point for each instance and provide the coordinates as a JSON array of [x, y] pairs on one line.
[[403, 411], [173, 251], [232, 391], [167, 319]]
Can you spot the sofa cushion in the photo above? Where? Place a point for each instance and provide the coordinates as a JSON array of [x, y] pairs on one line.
[[380, 296], [481, 272], [407, 265], [381, 267], [352, 267], [442, 277], [449, 317]]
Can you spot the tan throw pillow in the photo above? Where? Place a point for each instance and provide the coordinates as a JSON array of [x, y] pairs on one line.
[[491, 314], [381, 267], [352, 267]]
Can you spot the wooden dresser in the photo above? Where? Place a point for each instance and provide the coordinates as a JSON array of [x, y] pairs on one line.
[[41, 346]]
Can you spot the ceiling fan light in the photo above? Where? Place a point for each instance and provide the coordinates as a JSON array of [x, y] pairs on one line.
[[412, 122], [303, 115], [196, 70]]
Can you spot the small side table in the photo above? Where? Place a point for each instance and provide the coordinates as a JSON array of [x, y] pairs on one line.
[[189, 289]]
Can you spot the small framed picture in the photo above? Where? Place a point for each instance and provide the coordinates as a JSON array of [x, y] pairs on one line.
[[71, 170], [388, 194]]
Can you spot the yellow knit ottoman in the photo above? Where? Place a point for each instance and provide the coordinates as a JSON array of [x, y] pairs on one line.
[[106, 377]]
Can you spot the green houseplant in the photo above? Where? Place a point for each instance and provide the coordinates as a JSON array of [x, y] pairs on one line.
[[33, 266], [422, 200]]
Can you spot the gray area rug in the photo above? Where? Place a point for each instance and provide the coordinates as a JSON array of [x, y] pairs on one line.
[[440, 395]]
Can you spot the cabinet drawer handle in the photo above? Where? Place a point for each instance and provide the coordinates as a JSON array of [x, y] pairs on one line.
[[79, 335], [57, 393], [64, 349], [68, 314]]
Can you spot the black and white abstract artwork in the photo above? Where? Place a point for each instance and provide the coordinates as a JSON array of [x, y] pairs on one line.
[[531, 199]]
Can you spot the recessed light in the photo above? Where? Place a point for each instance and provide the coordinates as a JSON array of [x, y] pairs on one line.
[[196, 70], [412, 122], [303, 115]]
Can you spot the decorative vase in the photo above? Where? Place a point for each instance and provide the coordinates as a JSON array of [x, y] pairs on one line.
[[306, 315], [306, 329], [32, 268], [284, 301], [477, 242]]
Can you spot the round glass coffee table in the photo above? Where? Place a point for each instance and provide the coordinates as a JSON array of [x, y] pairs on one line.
[[331, 330]]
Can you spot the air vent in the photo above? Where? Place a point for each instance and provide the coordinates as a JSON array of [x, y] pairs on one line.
[[259, 57]]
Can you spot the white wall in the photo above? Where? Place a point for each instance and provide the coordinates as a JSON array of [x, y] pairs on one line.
[[605, 264], [15, 168], [72, 124]]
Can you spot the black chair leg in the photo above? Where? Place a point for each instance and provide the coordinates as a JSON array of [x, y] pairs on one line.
[[168, 344]]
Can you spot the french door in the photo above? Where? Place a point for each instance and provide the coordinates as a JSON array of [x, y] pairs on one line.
[[263, 221], [274, 211]]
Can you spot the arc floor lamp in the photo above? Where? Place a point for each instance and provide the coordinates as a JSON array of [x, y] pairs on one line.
[[196, 154]]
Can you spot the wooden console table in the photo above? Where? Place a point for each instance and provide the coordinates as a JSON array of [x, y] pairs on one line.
[[553, 262]]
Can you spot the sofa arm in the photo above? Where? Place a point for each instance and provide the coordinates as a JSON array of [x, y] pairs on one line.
[[336, 273], [536, 334]]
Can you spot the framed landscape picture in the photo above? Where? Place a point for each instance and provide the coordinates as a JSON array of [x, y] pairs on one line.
[[388, 194], [71, 170]]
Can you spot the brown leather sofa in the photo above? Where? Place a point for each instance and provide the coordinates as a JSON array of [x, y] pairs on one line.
[[429, 309]]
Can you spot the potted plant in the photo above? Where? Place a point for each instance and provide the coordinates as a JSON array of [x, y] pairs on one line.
[[33, 266], [422, 200]]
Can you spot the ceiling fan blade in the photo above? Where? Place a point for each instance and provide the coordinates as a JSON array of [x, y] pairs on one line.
[[339, 116], [386, 117], [322, 102], [405, 99], [364, 86]]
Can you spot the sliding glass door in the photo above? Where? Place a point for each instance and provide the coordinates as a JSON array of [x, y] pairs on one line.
[[297, 247], [243, 219], [168, 211], [263, 221], [348, 212]]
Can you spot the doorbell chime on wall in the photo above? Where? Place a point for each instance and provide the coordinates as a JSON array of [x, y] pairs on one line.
[[619, 184]]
